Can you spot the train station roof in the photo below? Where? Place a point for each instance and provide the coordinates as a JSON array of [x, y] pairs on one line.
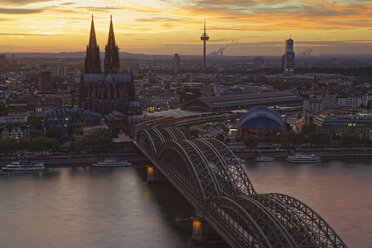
[[234, 102]]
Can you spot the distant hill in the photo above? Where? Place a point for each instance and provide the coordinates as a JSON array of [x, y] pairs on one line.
[[64, 55], [124, 55]]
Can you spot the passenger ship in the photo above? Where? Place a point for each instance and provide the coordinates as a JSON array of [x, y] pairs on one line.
[[304, 158], [112, 163], [23, 164]]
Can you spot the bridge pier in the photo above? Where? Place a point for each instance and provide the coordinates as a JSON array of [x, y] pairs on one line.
[[154, 175], [202, 232]]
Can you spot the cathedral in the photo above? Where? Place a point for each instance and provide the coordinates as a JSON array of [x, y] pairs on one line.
[[110, 90]]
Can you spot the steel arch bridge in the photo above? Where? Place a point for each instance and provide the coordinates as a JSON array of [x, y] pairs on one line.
[[209, 176]]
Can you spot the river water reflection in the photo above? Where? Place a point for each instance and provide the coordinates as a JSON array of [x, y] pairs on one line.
[[89, 207]]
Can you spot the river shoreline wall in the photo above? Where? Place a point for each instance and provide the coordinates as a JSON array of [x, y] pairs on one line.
[[128, 151], [121, 151], [324, 152]]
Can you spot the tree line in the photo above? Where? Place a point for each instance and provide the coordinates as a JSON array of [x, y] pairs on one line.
[[309, 135], [98, 141], [37, 144]]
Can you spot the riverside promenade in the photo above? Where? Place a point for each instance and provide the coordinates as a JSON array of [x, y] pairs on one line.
[[324, 152], [121, 151]]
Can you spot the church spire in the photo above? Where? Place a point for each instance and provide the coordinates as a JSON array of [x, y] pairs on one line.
[[92, 36], [112, 62], [111, 38], [92, 58]]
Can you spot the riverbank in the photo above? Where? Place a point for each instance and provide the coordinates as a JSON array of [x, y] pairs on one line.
[[128, 151], [324, 152], [122, 151]]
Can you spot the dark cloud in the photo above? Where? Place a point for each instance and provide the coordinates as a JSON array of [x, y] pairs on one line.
[[235, 9], [19, 11], [305, 10], [25, 34], [67, 3], [18, 2]]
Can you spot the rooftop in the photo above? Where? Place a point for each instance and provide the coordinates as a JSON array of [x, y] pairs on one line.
[[264, 98], [110, 78]]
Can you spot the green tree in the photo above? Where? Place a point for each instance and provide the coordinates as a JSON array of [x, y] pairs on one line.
[[348, 139], [320, 139], [42, 143], [36, 133], [22, 144], [35, 122], [250, 141], [308, 129], [52, 133], [292, 137], [10, 146], [283, 139], [366, 141], [299, 139], [115, 132], [99, 141], [3, 109]]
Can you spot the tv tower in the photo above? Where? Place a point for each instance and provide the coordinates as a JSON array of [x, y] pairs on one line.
[[204, 38]]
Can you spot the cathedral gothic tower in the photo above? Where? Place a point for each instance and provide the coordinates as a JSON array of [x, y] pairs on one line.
[[109, 91], [92, 59], [112, 62]]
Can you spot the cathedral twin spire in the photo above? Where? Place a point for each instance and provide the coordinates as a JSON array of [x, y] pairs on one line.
[[92, 59], [92, 37], [112, 62]]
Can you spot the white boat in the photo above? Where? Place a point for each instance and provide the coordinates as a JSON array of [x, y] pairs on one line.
[[265, 159], [23, 164], [303, 158], [112, 163]]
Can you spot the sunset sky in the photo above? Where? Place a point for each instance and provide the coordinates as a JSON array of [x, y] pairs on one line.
[[251, 27]]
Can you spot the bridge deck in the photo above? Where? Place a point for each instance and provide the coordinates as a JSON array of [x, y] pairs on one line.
[[230, 240]]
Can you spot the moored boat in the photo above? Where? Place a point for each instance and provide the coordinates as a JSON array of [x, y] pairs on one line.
[[23, 164], [304, 158], [112, 163]]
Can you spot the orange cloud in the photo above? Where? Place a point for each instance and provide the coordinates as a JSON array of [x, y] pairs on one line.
[[152, 24]]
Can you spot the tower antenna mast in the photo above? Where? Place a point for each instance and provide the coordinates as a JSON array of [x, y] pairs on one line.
[[204, 37]]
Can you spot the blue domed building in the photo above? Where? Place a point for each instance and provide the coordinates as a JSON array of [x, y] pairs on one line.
[[262, 122]]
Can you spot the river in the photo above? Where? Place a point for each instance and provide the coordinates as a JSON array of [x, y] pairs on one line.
[[89, 207]]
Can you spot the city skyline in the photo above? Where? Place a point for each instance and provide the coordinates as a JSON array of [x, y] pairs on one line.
[[168, 26]]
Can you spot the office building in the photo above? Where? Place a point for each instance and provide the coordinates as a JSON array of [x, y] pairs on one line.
[[288, 58]]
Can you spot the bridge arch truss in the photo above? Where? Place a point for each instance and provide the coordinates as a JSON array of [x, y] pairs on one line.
[[210, 175]]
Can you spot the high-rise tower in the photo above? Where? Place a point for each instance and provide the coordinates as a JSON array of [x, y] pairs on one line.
[[204, 38], [112, 62], [92, 59], [176, 63], [288, 58]]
